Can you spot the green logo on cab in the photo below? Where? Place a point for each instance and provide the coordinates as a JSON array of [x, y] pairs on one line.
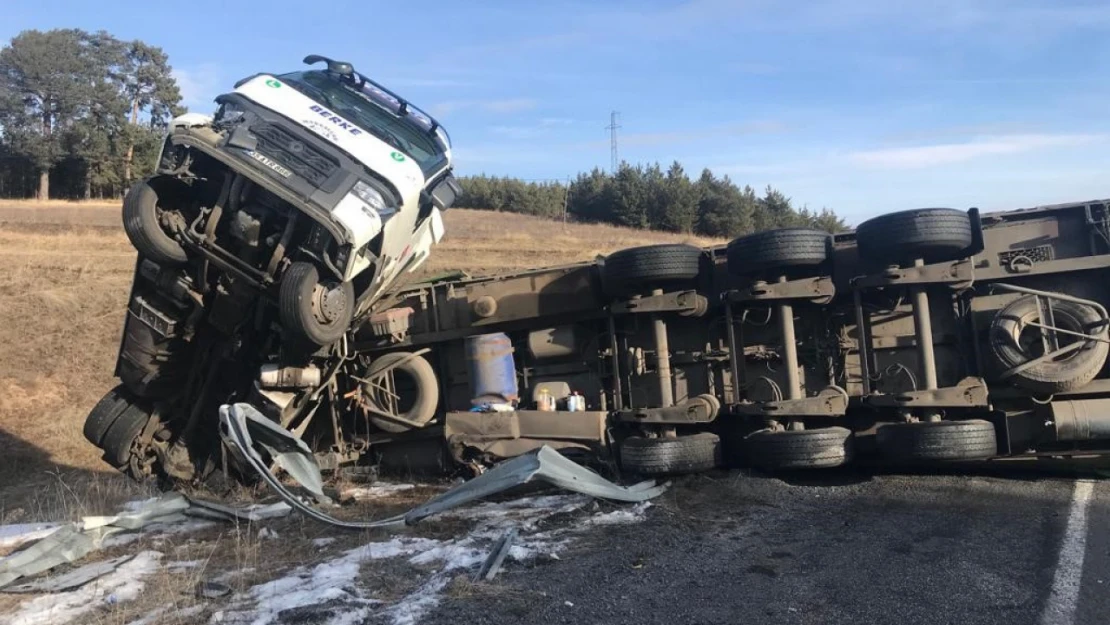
[[273, 83], [397, 156]]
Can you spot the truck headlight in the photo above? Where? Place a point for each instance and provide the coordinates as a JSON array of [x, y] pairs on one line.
[[229, 112], [373, 199]]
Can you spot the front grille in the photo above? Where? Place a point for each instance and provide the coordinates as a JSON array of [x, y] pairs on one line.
[[304, 159]]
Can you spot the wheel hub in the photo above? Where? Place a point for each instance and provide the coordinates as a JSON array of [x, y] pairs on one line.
[[330, 303]]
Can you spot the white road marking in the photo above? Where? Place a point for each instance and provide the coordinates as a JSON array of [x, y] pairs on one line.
[[1064, 599]]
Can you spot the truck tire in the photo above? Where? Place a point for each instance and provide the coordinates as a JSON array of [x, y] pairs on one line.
[[120, 436], [772, 250], [934, 234], [799, 449], [635, 269], [937, 441], [662, 456], [144, 230], [425, 390], [319, 313], [152, 365], [1065, 373], [104, 414]]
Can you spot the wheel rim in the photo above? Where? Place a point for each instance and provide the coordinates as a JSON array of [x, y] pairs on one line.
[[1027, 338], [329, 303]]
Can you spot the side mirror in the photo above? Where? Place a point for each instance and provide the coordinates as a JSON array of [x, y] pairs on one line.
[[446, 192]]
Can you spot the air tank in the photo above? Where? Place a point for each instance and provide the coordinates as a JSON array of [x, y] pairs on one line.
[[489, 359]]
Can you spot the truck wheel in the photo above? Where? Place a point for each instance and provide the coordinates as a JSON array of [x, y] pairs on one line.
[[104, 414], [317, 312], [419, 392], [152, 365], [681, 454], [934, 234], [774, 250], [937, 441], [652, 266], [800, 449], [120, 436], [142, 223], [1013, 342]]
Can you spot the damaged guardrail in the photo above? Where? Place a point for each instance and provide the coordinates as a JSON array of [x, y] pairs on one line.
[[243, 427]]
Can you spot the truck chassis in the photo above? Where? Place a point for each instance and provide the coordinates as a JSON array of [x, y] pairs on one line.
[[923, 336]]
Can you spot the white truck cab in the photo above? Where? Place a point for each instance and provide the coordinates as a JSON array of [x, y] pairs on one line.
[[320, 175]]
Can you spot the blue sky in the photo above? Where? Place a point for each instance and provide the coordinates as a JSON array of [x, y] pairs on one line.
[[863, 106]]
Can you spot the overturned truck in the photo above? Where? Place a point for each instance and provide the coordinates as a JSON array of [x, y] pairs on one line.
[[274, 243]]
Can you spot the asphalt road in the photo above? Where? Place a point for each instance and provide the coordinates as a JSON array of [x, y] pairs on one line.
[[841, 549]]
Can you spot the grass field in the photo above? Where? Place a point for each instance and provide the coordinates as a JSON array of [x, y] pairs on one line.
[[65, 271]]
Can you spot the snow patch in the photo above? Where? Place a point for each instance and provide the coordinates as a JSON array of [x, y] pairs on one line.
[[122, 585], [16, 535], [377, 490], [635, 514], [409, 610], [180, 527], [331, 583], [329, 591]]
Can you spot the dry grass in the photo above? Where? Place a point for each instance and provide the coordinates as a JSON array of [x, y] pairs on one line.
[[32, 203], [65, 271]]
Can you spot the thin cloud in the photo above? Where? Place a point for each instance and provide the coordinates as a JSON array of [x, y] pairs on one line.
[[509, 105], [513, 105], [518, 132], [641, 139], [430, 82], [920, 157], [544, 127], [199, 85]]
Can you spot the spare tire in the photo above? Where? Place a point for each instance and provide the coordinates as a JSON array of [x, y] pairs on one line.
[[1014, 342], [664, 456], [314, 311], [418, 399], [933, 234], [775, 250], [635, 269], [142, 223]]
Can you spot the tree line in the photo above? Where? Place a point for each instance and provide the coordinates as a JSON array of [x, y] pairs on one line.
[[82, 114], [644, 196]]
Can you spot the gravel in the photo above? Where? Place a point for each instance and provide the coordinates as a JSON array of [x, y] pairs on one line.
[[827, 548]]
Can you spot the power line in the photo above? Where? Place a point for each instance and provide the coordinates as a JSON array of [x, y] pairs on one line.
[[614, 123]]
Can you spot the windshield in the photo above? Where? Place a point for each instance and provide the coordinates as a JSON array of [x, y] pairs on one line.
[[370, 108]]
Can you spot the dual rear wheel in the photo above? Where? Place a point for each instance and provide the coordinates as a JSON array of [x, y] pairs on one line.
[[114, 425]]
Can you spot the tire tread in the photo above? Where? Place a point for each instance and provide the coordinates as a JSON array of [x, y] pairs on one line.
[[683, 454]]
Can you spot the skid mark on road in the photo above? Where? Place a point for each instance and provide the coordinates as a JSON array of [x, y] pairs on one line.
[[1064, 599]]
